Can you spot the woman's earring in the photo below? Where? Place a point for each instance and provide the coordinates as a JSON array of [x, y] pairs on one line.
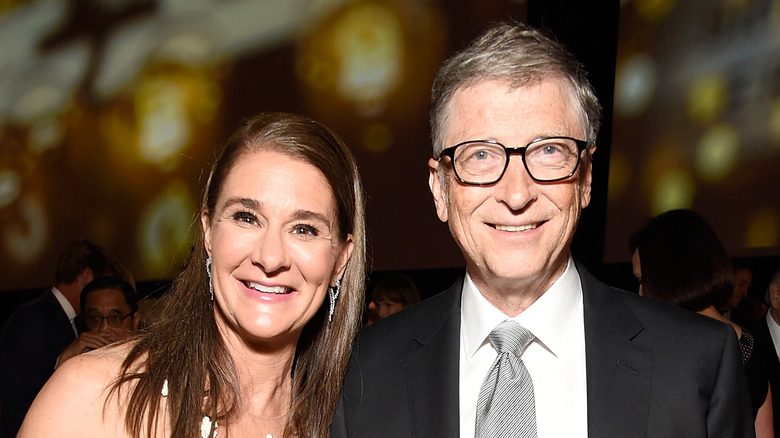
[[208, 272], [333, 292]]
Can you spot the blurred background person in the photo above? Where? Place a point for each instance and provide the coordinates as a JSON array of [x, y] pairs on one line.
[[678, 259], [274, 284], [38, 331], [767, 332], [109, 309], [743, 308], [393, 293]]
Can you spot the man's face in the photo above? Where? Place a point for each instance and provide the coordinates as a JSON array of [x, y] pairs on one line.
[[107, 312], [515, 234]]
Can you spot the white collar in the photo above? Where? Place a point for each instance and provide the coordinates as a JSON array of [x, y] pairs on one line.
[[549, 318], [64, 303]]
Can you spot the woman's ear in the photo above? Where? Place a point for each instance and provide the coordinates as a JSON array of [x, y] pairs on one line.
[[343, 258], [205, 222]]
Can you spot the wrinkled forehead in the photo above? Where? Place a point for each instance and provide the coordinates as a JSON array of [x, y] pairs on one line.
[[566, 87]]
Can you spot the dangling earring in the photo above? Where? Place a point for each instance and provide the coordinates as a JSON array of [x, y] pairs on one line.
[[208, 272], [333, 292]]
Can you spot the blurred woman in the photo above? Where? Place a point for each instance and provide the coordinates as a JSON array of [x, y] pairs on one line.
[[678, 258], [257, 330]]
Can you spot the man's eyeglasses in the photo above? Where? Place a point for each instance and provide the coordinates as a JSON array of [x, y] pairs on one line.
[[483, 162], [95, 321]]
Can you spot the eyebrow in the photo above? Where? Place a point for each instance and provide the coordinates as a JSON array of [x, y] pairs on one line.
[[252, 204]]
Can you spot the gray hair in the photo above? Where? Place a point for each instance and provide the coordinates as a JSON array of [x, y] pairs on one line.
[[519, 55]]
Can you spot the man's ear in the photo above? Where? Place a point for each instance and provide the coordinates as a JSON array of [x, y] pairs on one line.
[[586, 178], [435, 184], [774, 296], [205, 222], [136, 320]]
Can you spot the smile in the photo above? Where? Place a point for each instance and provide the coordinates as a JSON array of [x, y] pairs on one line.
[[267, 289], [514, 229]]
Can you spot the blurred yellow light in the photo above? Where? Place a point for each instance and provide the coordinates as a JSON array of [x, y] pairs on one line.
[[46, 133], [619, 172], [707, 96], [369, 44], [716, 155], [10, 187], [674, 189], [25, 241], [377, 137], [763, 229], [654, 10], [163, 229], [164, 128], [774, 121]]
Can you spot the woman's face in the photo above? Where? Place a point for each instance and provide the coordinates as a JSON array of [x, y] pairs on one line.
[[274, 243]]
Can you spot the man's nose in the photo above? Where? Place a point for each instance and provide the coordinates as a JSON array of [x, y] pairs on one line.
[[516, 188]]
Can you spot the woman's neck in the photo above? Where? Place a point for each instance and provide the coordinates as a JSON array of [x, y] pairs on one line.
[[713, 313]]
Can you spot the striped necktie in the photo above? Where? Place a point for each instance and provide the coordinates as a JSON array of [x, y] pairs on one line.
[[506, 407]]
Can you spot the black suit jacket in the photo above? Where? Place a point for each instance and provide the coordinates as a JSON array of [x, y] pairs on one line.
[[32, 339], [764, 343], [653, 370]]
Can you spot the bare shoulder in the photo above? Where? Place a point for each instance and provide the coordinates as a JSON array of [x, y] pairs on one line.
[[74, 400]]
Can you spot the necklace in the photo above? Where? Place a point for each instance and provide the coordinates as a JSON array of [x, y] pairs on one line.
[[205, 428]]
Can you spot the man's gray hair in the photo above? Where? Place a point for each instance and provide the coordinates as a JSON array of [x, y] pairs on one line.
[[521, 56]]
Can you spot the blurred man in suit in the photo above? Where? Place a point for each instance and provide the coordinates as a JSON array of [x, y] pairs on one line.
[[38, 331]]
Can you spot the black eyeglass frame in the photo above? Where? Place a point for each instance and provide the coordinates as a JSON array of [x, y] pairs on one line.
[[450, 152], [122, 319]]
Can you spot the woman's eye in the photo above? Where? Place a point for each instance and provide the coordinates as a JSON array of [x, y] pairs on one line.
[[245, 217], [306, 230]]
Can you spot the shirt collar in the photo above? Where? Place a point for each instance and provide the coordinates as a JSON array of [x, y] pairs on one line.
[[549, 318], [64, 303]]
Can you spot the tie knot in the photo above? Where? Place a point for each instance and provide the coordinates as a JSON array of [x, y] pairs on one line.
[[510, 337]]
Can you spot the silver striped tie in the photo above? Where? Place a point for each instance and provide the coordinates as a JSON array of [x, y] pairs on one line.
[[505, 407]]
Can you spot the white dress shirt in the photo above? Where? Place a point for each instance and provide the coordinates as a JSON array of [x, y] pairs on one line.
[[66, 306], [774, 331], [555, 359]]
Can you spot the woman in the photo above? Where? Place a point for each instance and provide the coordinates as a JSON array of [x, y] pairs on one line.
[[258, 327], [678, 258]]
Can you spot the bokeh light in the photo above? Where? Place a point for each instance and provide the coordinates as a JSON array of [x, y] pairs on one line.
[[164, 227], [716, 154], [763, 229], [674, 189], [635, 83], [707, 97], [654, 10], [25, 238]]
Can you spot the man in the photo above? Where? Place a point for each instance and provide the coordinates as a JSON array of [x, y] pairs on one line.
[[602, 362], [109, 309], [767, 334], [38, 331]]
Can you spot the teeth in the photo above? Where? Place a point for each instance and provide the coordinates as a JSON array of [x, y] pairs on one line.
[[515, 229], [267, 289]]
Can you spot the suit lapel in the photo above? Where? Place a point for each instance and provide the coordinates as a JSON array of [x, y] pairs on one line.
[[432, 371], [618, 370]]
